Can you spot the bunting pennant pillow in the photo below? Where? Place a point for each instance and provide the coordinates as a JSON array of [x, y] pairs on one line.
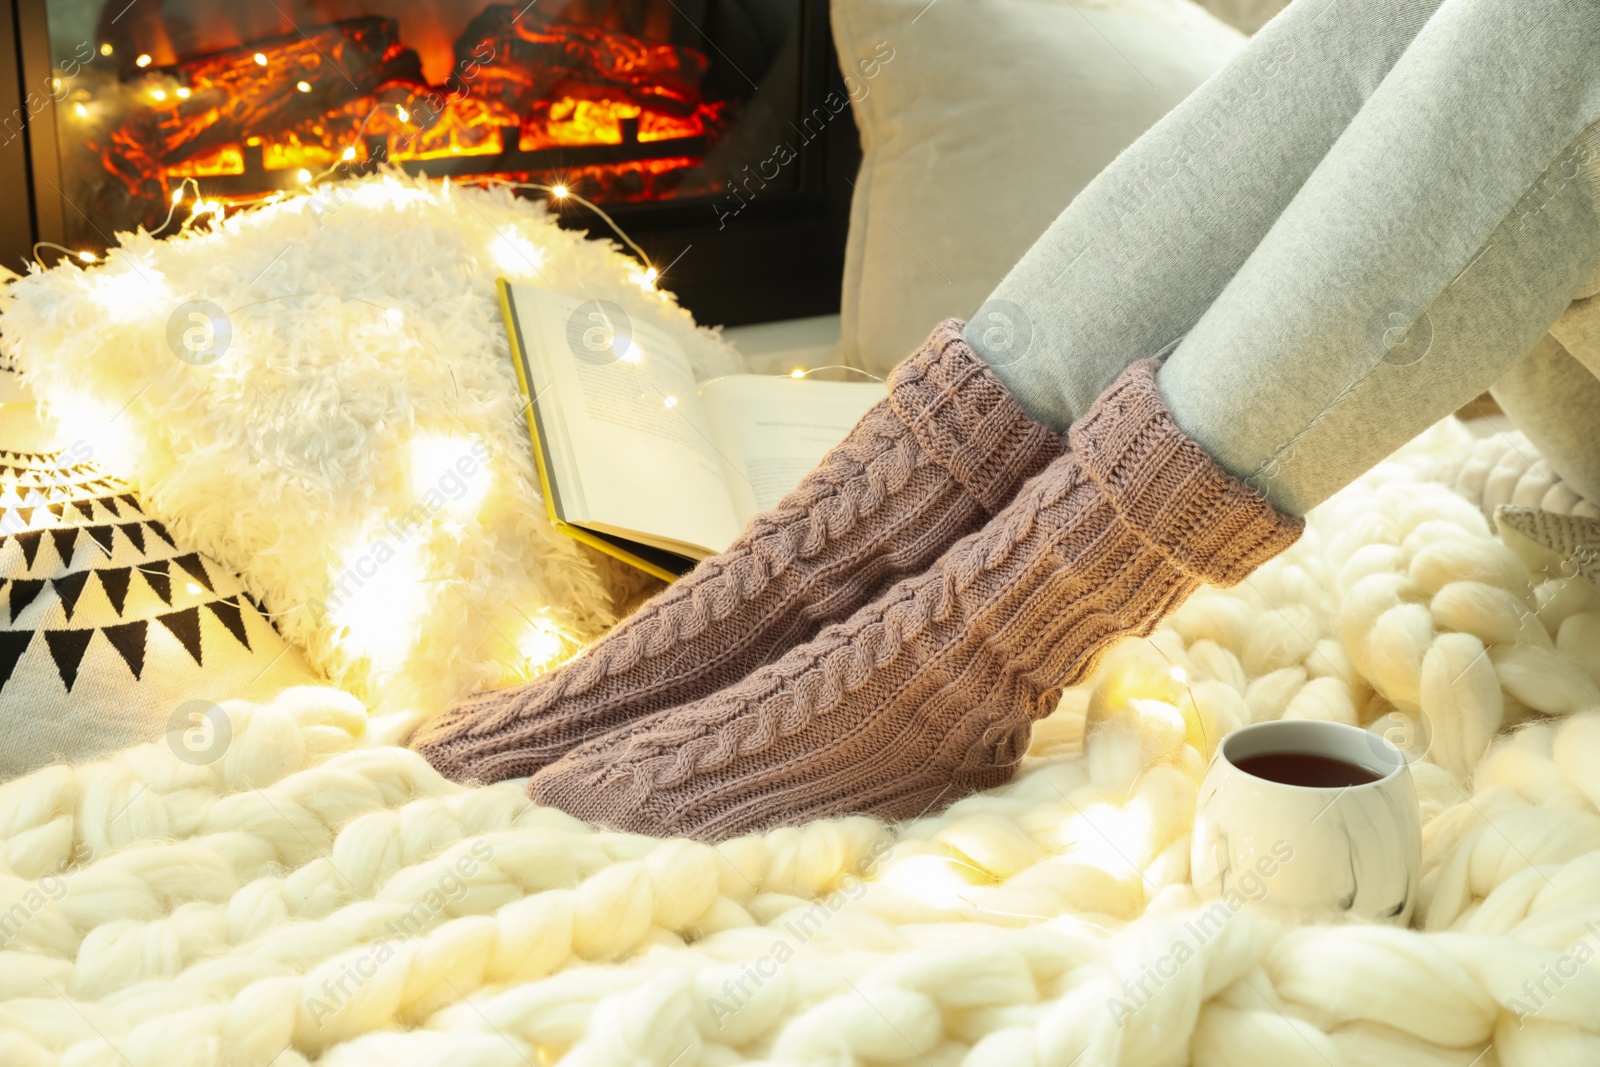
[[110, 631]]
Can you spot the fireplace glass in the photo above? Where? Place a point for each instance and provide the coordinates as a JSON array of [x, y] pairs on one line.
[[622, 101]]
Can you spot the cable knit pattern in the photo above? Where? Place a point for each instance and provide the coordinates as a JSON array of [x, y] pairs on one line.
[[929, 691], [922, 468]]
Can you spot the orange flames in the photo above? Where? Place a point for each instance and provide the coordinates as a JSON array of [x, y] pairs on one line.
[[528, 95]]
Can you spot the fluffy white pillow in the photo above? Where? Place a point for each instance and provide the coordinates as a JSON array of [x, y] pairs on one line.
[[357, 449], [980, 121]]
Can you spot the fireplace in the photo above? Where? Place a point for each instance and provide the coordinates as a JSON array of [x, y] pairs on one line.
[[657, 110]]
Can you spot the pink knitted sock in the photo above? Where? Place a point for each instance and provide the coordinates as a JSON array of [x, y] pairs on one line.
[[929, 692], [945, 450]]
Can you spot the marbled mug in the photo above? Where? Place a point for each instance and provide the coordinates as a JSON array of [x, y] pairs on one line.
[[1308, 852]]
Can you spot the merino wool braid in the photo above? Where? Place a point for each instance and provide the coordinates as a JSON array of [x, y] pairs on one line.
[[925, 466], [317, 896], [931, 688]]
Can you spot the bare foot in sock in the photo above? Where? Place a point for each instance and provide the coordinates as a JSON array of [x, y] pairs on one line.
[[947, 449], [929, 692]]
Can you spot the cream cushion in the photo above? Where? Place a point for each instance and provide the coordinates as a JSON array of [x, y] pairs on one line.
[[980, 120]]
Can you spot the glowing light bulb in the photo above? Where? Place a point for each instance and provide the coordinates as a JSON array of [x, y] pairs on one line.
[[303, 86], [55, 84], [650, 277], [541, 644], [303, 176], [405, 116], [937, 881], [1180, 676], [559, 192], [81, 111], [395, 317], [105, 49], [261, 60], [348, 154], [177, 195], [183, 92], [515, 253], [95, 420], [142, 61], [193, 589], [798, 372], [158, 94], [378, 619], [449, 473], [633, 355], [87, 257], [671, 401]]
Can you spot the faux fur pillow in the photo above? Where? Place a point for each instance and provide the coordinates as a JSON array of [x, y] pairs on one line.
[[980, 121], [319, 395]]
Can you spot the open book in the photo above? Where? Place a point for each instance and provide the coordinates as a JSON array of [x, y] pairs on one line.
[[638, 459]]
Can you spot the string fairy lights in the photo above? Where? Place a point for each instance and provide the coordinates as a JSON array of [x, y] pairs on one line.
[[559, 191], [82, 255], [378, 621]]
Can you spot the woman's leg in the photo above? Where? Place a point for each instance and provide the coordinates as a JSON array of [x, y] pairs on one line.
[[1426, 255], [1144, 249], [1444, 272]]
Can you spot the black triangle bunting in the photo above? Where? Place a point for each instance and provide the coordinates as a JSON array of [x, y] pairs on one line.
[[26, 513], [23, 592], [128, 639], [58, 510], [161, 532], [190, 562], [67, 648], [110, 504], [66, 540], [84, 508], [134, 532], [228, 613], [13, 643], [156, 576], [185, 626], [261, 610], [102, 536], [114, 580], [130, 500], [69, 587], [29, 540]]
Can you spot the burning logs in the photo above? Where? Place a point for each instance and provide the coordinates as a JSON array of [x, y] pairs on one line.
[[527, 91], [274, 85], [538, 60]]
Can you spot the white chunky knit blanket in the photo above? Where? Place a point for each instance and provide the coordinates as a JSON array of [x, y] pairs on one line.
[[317, 896]]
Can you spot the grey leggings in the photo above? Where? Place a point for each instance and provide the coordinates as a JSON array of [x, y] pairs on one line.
[[1363, 221]]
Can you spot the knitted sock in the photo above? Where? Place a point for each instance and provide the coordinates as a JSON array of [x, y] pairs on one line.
[[927, 465], [929, 692]]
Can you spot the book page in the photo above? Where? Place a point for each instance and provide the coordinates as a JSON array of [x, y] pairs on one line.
[[633, 452], [774, 430]]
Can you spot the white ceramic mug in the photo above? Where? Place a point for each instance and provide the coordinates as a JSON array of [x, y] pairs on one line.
[[1308, 852]]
